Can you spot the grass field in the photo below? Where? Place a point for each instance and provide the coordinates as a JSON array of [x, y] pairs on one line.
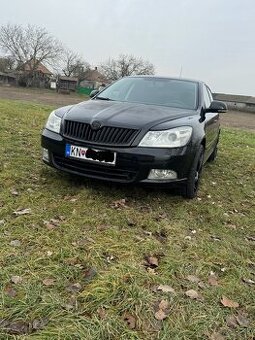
[[87, 260]]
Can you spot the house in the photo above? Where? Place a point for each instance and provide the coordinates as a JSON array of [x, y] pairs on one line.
[[93, 79], [38, 68], [237, 102], [66, 83], [33, 73], [7, 79]]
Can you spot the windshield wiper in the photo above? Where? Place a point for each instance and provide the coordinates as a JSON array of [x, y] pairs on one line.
[[103, 98]]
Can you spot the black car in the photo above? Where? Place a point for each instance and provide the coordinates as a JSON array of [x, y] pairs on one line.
[[139, 129]]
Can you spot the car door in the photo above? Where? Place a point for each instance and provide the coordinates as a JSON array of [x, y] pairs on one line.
[[211, 123]]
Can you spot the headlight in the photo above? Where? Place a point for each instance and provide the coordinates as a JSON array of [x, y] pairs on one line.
[[53, 123], [172, 138]]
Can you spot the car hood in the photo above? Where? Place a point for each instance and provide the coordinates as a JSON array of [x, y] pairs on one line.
[[121, 114]]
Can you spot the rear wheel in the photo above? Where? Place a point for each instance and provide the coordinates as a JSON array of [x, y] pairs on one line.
[[192, 184]]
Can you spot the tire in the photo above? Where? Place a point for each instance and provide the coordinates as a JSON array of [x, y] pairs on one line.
[[214, 153], [192, 184]]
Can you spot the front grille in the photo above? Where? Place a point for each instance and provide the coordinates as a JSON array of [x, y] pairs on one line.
[[94, 170], [107, 135]]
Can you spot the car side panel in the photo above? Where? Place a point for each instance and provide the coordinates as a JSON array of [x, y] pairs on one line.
[[212, 125], [211, 121]]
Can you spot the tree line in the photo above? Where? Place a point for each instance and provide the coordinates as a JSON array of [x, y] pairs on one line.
[[33, 45]]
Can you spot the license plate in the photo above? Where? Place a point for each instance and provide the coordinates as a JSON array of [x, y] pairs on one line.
[[91, 155]]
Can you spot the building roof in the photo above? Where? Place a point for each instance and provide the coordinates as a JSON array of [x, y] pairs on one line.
[[94, 75], [9, 75], [234, 98], [72, 79], [40, 67]]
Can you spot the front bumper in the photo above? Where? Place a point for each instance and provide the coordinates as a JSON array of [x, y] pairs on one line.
[[133, 164]]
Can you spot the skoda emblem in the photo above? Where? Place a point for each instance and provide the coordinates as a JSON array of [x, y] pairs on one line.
[[96, 125]]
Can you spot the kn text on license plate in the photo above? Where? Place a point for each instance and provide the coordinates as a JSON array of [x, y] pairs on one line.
[[91, 155]]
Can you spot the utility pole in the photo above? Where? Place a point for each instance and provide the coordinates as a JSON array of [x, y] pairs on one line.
[[181, 72]]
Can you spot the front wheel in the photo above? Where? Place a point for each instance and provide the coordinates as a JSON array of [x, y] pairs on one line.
[[192, 184]]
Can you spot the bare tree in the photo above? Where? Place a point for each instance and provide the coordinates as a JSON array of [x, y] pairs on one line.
[[126, 65], [71, 64], [7, 64], [29, 43]]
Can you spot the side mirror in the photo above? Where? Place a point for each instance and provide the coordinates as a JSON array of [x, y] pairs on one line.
[[93, 93], [217, 106]]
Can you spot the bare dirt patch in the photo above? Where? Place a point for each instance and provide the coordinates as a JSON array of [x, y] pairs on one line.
[[236, 119], [40, 96]]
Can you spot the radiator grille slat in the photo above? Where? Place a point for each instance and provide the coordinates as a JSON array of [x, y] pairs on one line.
[[107, 135]]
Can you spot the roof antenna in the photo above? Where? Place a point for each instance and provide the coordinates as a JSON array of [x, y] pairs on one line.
[[181, 72]]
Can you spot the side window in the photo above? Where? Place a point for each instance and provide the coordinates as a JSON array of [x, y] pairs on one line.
[[207, 99]]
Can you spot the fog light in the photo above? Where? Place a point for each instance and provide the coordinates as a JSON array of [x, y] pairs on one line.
[[161, 174], [45, 155]]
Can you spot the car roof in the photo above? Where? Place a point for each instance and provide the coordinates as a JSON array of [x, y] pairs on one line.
[[164, 77]]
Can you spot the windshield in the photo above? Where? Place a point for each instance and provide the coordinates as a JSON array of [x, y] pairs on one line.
[[153, 91]]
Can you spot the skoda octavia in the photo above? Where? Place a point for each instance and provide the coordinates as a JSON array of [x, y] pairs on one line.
[[139, 129]]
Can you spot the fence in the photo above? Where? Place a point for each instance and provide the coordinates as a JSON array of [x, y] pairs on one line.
[[84, 90]]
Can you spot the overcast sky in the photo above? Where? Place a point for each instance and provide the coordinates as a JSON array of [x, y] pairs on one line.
[[211, 40]]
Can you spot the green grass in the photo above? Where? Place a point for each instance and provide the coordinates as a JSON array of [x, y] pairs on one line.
[[114, 242]]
